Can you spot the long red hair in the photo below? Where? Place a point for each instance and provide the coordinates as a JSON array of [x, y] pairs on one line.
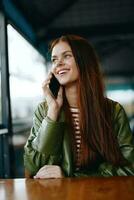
[[99, 142]]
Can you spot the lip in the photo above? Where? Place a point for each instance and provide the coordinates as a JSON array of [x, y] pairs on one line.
[[62, 71]]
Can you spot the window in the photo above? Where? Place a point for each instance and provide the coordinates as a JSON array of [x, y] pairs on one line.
[[0, 97], [27, 71]]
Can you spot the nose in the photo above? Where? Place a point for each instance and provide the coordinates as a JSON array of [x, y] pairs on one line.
[[59, 63]]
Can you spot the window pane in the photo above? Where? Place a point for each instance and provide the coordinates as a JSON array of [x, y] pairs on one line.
[[27, 71], [0, 98]]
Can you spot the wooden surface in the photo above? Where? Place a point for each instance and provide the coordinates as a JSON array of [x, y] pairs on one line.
[[121, 188]]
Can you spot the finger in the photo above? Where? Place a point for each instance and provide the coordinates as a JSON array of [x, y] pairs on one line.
[[50, 75], [45, 87], [60, 90], [46, 171], [45, 84], [50, 71], [45, 174], [47, 81], [60, 93], [45, 167], [49, 172], [54, 171]]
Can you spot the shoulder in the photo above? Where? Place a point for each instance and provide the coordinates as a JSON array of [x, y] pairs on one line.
[[114, 104], [117, 109]]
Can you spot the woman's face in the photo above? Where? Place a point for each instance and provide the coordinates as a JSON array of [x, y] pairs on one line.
[[63, 64]]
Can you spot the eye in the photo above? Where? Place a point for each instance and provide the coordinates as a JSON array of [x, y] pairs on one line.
[[53, 60], [68, 55]]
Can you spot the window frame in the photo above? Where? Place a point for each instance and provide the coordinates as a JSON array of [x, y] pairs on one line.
[[6, 122]]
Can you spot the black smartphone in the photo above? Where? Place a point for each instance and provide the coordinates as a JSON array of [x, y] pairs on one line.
[[54, 86]]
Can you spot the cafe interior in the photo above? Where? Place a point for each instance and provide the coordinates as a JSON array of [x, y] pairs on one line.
[[26, 29]]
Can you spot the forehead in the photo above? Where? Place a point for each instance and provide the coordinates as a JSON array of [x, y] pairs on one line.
[[60, 48]]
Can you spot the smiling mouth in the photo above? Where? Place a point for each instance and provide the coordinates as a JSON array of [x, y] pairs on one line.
[[63, 71]]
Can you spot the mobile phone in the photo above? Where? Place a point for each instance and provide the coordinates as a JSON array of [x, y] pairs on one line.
[[54, 86]]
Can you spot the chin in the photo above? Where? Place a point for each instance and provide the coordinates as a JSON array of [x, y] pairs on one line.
[[64, 83], [68, 83]]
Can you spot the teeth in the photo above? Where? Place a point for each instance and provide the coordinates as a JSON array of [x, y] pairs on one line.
[[63, 71]]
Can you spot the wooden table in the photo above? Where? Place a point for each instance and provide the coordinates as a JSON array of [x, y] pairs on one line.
[[121, 188]]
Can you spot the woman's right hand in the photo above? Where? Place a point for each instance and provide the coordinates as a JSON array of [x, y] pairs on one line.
[[49, 171], [54, 104]]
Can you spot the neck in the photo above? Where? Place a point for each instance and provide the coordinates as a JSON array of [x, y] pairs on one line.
[[71, 93]]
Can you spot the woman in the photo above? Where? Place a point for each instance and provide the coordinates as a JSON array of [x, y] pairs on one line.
[[81, 132]]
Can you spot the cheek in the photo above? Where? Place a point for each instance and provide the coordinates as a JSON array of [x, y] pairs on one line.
[[74, 68], [72, 64], [75, 73], [53, 68]]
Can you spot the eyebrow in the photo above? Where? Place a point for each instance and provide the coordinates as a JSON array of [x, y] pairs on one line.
[[62, 53]]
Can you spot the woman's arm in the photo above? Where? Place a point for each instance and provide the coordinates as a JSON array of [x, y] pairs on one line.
[[126, 144], [44, 144]]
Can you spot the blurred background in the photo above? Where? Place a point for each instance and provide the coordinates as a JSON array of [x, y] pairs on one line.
[[26, 28]]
